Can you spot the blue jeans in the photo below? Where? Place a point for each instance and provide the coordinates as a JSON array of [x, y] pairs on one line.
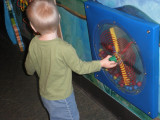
[[65, 109]]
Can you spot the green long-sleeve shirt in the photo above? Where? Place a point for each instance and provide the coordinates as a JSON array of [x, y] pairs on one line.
[[54, 61]]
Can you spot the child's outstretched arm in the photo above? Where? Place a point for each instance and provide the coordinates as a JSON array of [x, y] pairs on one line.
[[72, 60], [106, 63]]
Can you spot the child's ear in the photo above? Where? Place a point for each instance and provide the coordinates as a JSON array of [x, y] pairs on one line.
[[33, 27]]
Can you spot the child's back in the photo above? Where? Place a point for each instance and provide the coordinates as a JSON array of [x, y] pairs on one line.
[[54, 60]]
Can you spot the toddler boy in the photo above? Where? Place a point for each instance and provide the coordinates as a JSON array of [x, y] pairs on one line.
[[53, 60]]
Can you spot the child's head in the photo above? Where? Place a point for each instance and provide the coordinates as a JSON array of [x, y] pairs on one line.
[[43, 16]]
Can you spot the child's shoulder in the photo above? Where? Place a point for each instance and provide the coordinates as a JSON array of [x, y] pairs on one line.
[[65, 46], [64, 43], [58, 43], [35, 38]]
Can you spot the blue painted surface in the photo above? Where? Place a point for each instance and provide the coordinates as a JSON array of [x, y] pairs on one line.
[[149, 7], [159, 85], [147, 99], [8, 25], [75, 32]]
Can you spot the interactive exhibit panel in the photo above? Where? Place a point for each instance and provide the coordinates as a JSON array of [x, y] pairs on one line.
[[133, 43]]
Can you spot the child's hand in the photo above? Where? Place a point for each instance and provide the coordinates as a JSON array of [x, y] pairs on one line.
[[106, 63]]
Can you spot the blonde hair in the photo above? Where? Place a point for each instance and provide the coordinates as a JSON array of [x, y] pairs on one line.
[[43, 15]]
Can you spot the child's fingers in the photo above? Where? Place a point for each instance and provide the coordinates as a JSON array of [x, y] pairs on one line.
[[113, 64], [108, 56]]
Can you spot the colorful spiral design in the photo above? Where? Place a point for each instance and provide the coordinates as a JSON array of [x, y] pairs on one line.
[[121, 64]]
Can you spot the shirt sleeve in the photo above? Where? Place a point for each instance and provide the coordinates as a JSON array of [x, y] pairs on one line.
[[29, 65], [77, 65]]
